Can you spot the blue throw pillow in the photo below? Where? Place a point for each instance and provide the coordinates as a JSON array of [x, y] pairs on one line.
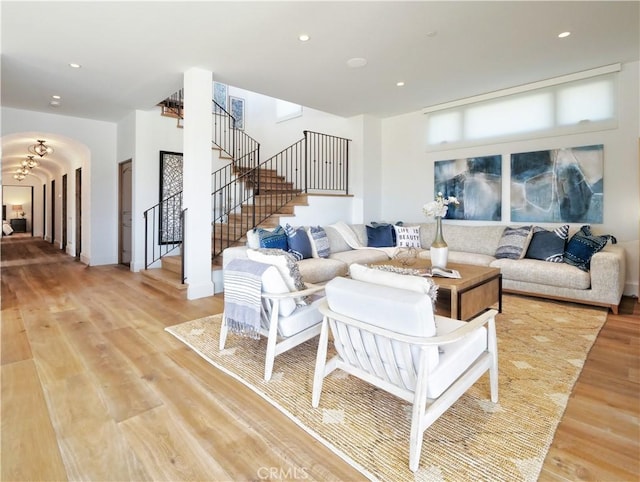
[[514, 242], [583, 245], [320, 246], [298, 241], [548, 245], [380, 236], [276, 239]]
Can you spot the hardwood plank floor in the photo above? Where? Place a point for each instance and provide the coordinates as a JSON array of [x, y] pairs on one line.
[[93, 388]]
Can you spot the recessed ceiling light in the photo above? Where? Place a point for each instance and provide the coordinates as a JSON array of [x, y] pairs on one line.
[[303, 37], [74, 65], [564, 34], [57, 97], [400, 84], [54, 103], [356, 62]]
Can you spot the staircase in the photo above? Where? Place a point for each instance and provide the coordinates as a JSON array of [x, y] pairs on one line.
[[248, 193]]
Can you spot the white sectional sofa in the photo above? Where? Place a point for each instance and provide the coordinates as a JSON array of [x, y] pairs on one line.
[[602, 285]]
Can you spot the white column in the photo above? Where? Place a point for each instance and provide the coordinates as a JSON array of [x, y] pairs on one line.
[[196, 192]]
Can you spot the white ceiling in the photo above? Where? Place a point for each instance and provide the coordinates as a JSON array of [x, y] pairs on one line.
[[133, 54]]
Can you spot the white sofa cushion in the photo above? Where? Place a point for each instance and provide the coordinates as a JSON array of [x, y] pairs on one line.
[[541, 272], [360, 256], [320, 270]]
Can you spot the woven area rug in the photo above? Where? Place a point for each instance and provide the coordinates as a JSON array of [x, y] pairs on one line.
[[542, 347]]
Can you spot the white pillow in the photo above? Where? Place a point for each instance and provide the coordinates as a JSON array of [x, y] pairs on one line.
[[407, 236], [272, 282], [394, 280], [286, 264]]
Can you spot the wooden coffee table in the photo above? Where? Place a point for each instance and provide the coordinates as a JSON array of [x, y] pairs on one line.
[[478, 289]]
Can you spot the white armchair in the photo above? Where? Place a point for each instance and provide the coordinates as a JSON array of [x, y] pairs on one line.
[[284, 320], [390, 338]]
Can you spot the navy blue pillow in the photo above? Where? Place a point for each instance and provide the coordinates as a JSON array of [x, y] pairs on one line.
[[276, 239], [381, 236], [548, 245], [583, 245], [298, 241]]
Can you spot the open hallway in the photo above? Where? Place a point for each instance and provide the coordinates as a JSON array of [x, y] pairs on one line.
[[93, 388]]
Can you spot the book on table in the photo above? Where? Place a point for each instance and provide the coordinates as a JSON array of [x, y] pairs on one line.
[[440, 272]]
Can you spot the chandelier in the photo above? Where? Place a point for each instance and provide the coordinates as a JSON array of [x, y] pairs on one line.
[[30, 162], [41, 149]]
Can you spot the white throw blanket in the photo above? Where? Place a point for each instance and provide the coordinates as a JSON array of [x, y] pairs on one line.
[[243, 296], [354, 243]]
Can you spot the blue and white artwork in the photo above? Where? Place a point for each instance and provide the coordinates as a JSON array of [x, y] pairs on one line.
[[219, 97], [476, 182], [236, 109], [558, 185]]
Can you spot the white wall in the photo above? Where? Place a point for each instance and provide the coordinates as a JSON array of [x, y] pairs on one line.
[[261, 123], [407, 169], [153, 133]]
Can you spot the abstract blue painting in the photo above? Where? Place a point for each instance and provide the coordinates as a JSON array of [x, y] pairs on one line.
[[476, 182], [558, 185]]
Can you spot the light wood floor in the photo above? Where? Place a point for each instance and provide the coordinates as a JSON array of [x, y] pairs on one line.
[[94, 389]]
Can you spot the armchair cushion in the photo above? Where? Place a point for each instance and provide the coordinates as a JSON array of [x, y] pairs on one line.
[[273, 283], [456, 357], [410, 313], [300, 319], [394, 280]]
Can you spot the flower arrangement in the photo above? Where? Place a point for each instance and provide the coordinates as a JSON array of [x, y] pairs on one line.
[[439, 207]]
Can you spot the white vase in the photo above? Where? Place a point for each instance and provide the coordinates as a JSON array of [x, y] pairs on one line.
[[439, 256], [439, 249]]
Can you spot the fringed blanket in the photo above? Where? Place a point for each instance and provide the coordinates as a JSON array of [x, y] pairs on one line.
[[352, 240], [242, 296]]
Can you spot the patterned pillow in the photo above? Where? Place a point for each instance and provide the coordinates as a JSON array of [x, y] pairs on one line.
[[319, 242], [408, 236], [380, 236], [298, 242], [548, 245], [583, 245], [276, 239], [514, 242]]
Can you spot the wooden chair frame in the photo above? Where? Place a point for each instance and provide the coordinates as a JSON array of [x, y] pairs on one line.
[[270, 318], [425, 411]]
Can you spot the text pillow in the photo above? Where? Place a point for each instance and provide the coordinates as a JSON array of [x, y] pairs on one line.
[[514, 242], [407, 236]]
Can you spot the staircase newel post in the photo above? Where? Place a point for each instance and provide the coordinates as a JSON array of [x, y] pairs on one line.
[[306, 161]]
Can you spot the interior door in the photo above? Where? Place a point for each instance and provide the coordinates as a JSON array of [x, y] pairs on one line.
[[125, 203], [64, 212], [53, 211], [78, 212]]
